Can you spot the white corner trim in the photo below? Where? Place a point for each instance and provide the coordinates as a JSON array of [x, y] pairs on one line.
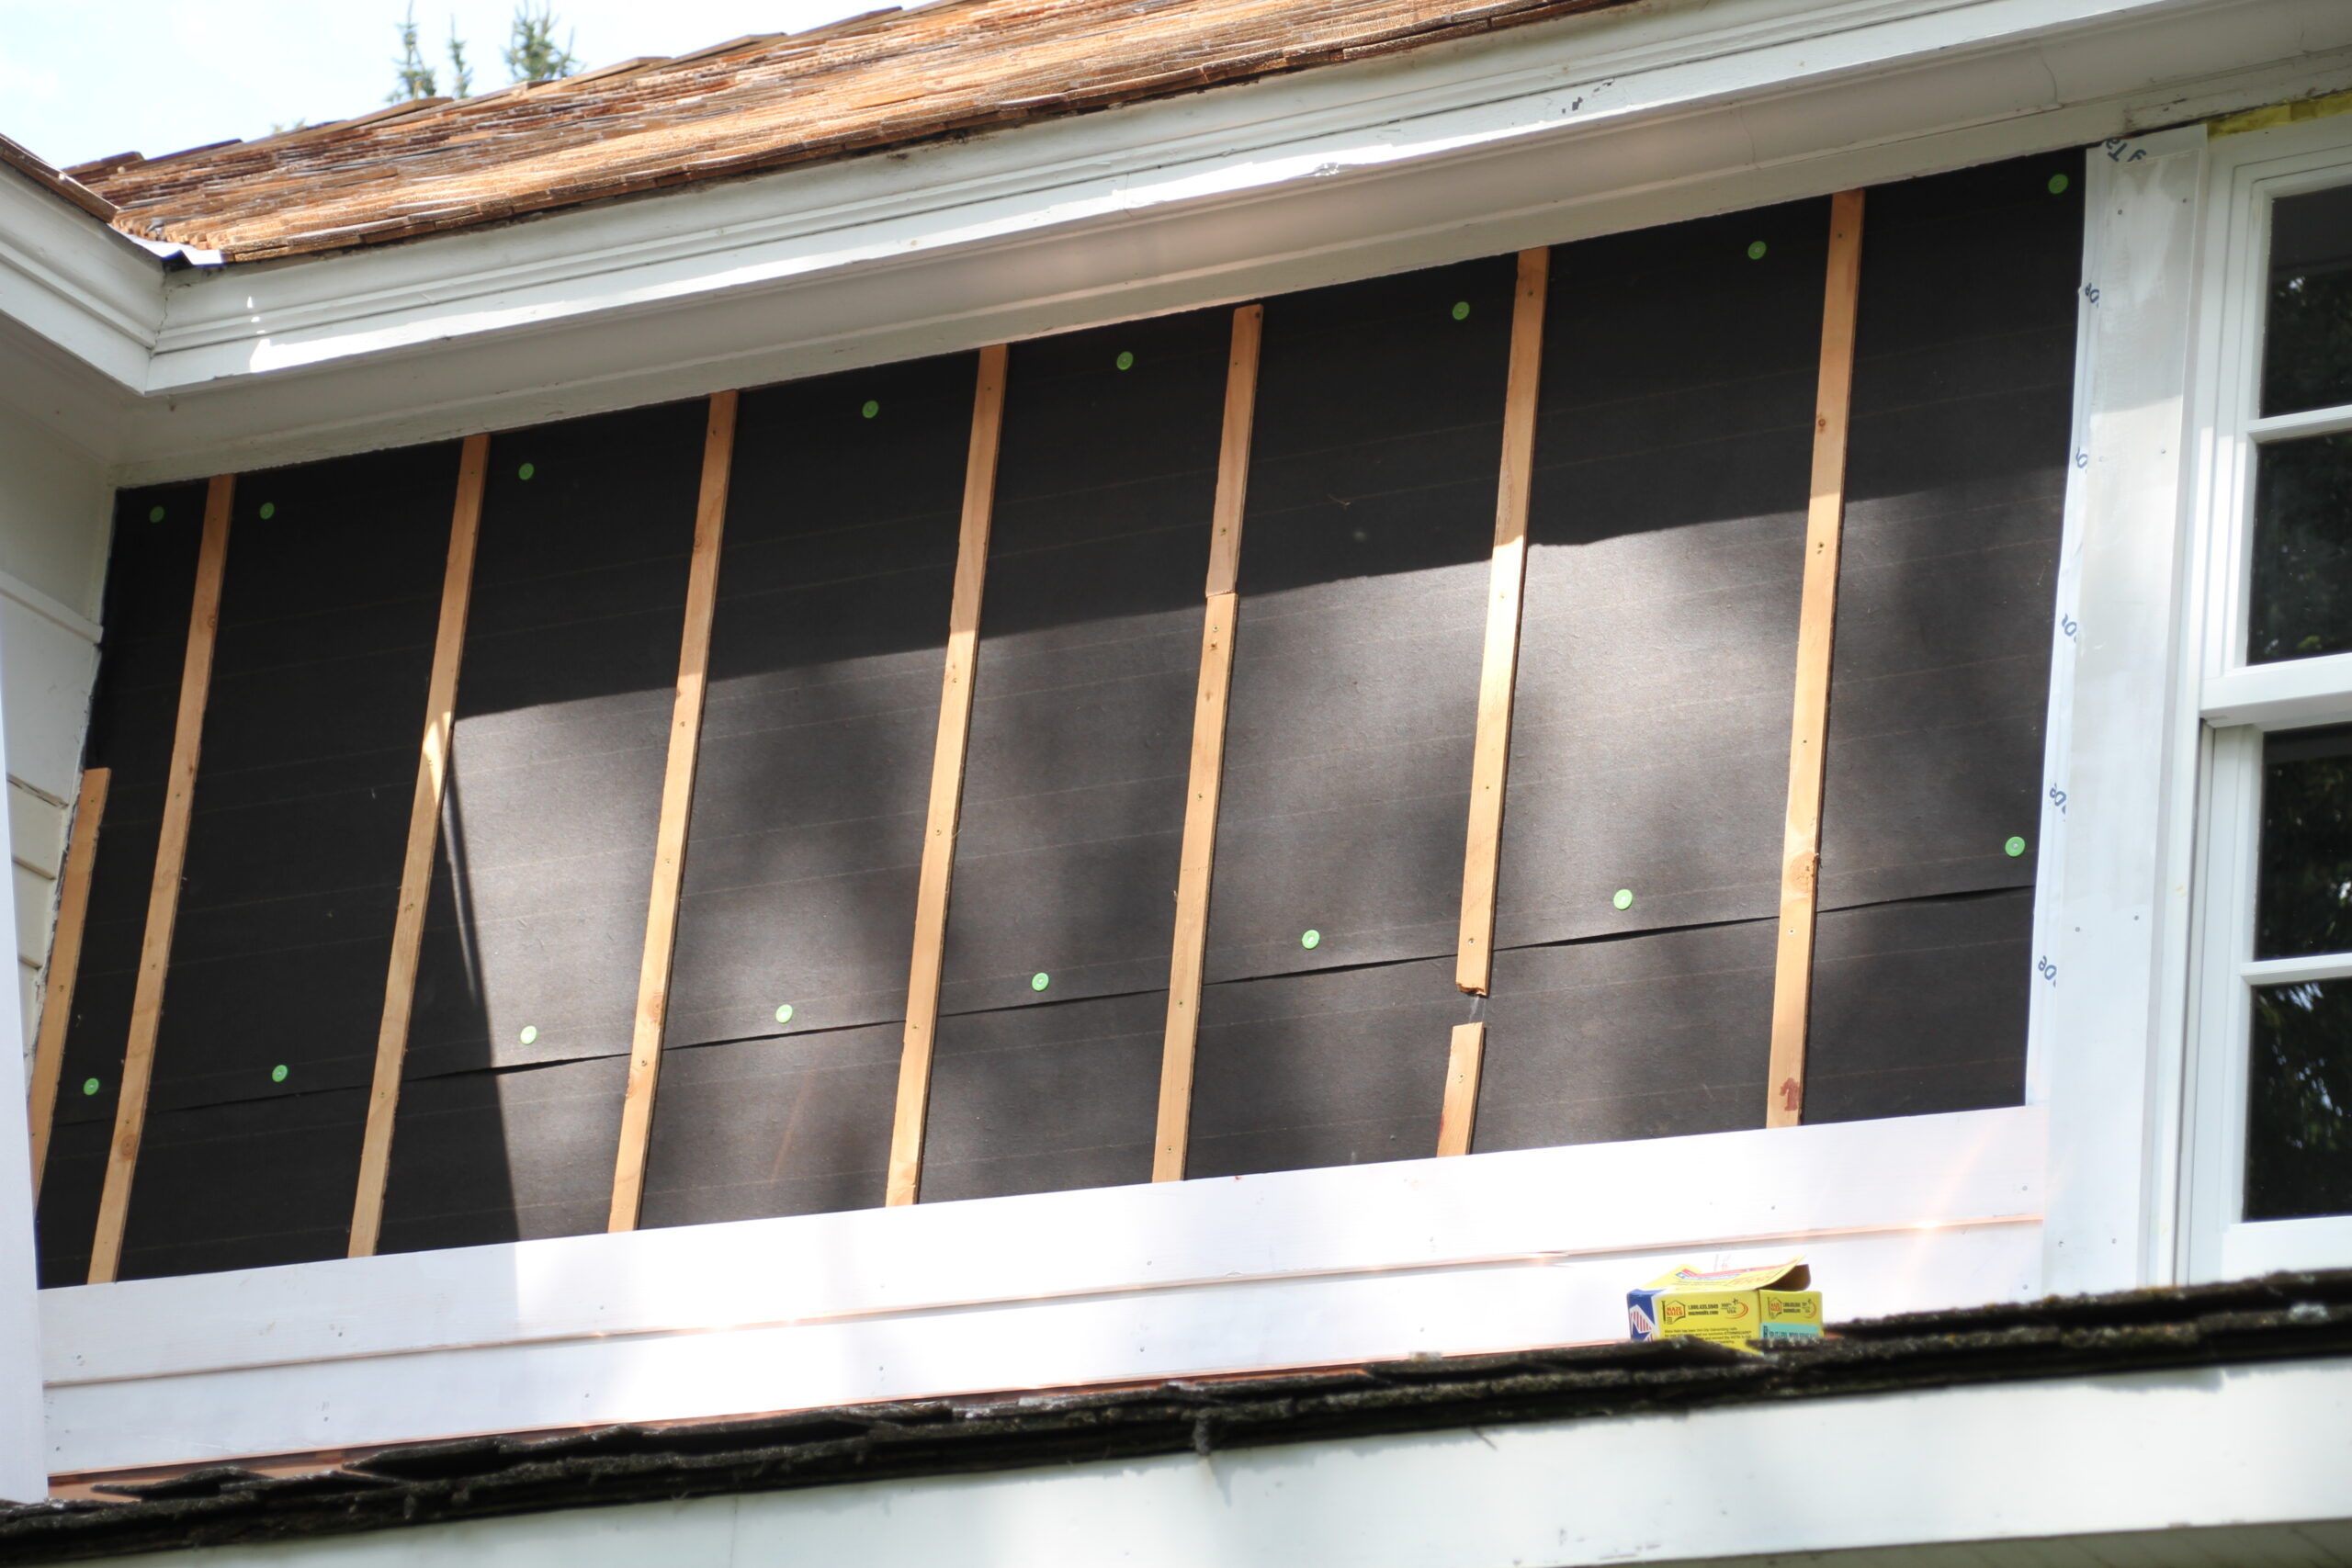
[[1364, 1262], [2116, 933]]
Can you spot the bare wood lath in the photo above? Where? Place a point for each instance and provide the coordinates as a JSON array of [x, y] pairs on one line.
[[164, 892], [65, 960], [1207, 773], [1816, 619], [677, 803], [416, 868], [1458, 1116], [1499, 670], [946, 783]]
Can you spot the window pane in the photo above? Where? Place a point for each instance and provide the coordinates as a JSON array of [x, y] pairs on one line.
[[2304, 902], [2299, 1115], [2307, 346], [2300, 603]]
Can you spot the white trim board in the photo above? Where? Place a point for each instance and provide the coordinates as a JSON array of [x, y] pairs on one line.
[[2022, 1473], [1489, 1252], [1614, 120]]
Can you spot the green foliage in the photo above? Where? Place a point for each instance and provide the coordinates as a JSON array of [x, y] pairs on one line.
[[531, 54], [416, 79], [461, 75]]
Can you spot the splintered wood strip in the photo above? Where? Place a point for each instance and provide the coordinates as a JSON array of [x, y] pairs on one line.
[[1458, 1119], [1816, 619], [946, 783], [1207, 775], [164, 892], [1499, 670], [677, 804], [416, 868], [65, 960]]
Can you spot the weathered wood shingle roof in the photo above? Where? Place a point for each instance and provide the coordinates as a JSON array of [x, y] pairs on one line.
[[879, 81]]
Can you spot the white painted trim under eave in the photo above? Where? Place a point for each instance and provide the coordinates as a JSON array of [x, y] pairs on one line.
[[78, 283], [2241, 1464], [1455, 151], [1489, 1252], [1576, 75]]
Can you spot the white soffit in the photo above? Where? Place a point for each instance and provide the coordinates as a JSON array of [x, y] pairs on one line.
[[1645, 114]]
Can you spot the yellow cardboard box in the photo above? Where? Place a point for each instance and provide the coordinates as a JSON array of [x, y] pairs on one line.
[[1730, 1306]]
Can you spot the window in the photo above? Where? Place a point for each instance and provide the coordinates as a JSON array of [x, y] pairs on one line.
[[2270, 1178]]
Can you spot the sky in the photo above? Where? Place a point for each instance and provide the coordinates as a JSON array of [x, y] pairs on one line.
[[80, 79]]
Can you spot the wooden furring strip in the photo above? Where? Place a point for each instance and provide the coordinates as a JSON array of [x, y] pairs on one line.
[[946, 783], [1816, 620], [1207, 775], [1458, 1118], [1473, 960], [423, 828], [65, 960], [163, 891], [678, 807]]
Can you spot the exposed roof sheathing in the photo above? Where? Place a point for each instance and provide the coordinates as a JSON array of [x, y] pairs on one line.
[[873, 81]]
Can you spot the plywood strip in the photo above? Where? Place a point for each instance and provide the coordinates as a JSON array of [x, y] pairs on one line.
[[677, 803], [1458, 1118], [946, 806], [65, 960], [1816, 619], [1498, 672], [416, 868], [1207, 774], [163, 891]]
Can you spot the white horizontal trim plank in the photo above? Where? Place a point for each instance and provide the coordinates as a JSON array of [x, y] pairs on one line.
[[1171, 1278], [1615, 120], [2031, 1473]]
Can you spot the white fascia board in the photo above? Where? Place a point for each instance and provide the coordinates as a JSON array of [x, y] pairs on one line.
[[1613, 121], [1534, 1205], [78, 283], [2241, 1464], [1493, 1252]]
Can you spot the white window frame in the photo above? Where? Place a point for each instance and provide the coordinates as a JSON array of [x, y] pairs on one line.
[[2237, 704]]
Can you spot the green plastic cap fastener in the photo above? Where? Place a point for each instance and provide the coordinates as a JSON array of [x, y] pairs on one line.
[[526, 470], [2015, 846], [530, 1034], [1461, 310], [1310, 939], [1623, 897], [2058, 183], [1126, 361], [89, 1085], [871, 408], [1756, 250], [1040, 980], [268, 510], [277, 1073], [784, 1013], [154, 514]]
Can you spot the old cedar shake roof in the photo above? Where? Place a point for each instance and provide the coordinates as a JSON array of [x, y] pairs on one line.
[[2300, 1316], [874, 82]]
